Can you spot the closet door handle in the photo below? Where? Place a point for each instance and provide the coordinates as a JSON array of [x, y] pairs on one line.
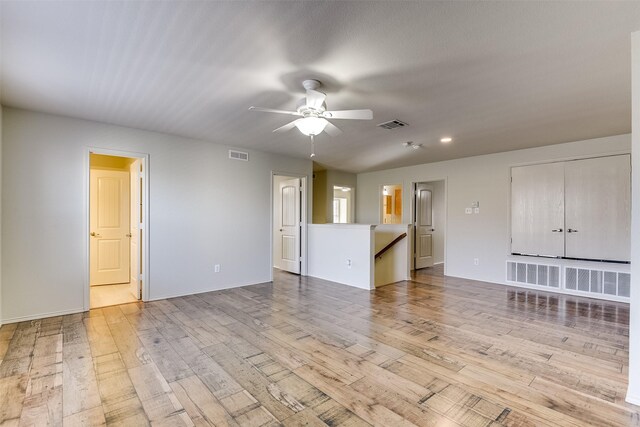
[[571, 230], [557, 230]]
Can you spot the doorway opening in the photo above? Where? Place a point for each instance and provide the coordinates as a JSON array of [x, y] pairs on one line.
[[343, 198], [429, 226], [289, 219], [391, 204], [118, 241]]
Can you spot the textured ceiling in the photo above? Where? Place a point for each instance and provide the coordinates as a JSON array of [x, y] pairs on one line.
[[495, 76]]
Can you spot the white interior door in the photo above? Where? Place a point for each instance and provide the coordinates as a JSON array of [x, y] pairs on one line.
[[598, 206], [288, 231], [423, 226], [109, 224], [134, 231], [537, 210]]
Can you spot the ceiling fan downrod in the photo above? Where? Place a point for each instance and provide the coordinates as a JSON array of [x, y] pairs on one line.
[[313, 150]]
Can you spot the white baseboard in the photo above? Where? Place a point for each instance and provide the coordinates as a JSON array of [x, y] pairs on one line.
[[41, 316], [632, 398], [204, 291]]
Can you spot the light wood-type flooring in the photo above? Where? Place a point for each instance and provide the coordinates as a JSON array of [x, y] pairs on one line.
[[106, 295], [431, 352]]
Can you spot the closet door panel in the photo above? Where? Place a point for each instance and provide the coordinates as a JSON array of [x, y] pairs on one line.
[[597, 203], [537, 210]]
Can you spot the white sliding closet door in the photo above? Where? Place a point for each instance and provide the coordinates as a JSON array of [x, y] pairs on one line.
[[597, 203], [537, 210]]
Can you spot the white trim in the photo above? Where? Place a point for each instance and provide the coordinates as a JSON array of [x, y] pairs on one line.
[[304, 201], [237, 285], [42, 315], [144, 157], [412, 219], [631, 398], [570, 158]]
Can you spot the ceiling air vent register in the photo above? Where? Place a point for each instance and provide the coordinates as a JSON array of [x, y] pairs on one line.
[[393, 124], [238, 155]]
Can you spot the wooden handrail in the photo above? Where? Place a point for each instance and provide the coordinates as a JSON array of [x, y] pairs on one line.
[[386, 248]]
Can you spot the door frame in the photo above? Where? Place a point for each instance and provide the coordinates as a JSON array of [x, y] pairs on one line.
[[303, 218], [144, 157], [412, 207]]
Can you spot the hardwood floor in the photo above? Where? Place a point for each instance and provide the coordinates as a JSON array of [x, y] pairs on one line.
[[106, 295], [434, 351]]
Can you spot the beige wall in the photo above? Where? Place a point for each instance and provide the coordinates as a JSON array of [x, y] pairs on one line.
[[323, 184], [320, 197], [104, 162]]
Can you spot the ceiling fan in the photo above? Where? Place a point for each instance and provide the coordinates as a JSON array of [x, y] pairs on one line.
[[314, 114]]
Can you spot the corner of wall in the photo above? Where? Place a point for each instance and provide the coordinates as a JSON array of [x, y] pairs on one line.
[[633, 393], [1, 215]]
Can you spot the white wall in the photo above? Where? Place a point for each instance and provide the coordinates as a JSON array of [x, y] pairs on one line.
[[439, 217], [205, 210], [485, 179], [1, 114], [331, 245], [633, 394]]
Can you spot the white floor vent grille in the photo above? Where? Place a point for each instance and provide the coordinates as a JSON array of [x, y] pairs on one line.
[[611, 283], [533, 274]]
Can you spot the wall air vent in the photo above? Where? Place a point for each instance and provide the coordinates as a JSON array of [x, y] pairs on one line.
[[393, 124], [598, 283], [238, 155], [527, 273]]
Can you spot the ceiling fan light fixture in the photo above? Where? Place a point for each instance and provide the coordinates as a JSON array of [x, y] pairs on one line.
[[311, 125]]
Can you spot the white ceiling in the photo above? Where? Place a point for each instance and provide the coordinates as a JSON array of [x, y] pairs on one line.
[[495, 76]]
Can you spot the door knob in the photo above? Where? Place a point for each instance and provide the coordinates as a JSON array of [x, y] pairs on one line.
[[281, 229], [571, 230], [94, 234], [128, 235], [557, 230]]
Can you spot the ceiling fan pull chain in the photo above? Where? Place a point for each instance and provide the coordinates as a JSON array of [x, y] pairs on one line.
[[313, 149]]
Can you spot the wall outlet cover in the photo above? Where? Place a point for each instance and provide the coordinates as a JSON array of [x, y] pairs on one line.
[[468, 211]]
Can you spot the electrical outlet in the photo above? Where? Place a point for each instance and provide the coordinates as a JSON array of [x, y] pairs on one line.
[[348, 263], [476, 261], [476, 210], [468, 211], [216, 268]]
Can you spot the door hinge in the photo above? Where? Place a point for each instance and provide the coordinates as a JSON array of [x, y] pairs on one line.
[[139, 276]]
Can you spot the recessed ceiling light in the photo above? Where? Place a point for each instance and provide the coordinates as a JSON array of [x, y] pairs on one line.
[[446, 139]]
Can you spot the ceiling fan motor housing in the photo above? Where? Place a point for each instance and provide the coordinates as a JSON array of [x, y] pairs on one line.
[[306, 111]]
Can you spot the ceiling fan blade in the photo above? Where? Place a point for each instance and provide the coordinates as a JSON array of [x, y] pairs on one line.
[[315, 99], [271, 110], [286, 127], [349, 114], [332, 129]]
